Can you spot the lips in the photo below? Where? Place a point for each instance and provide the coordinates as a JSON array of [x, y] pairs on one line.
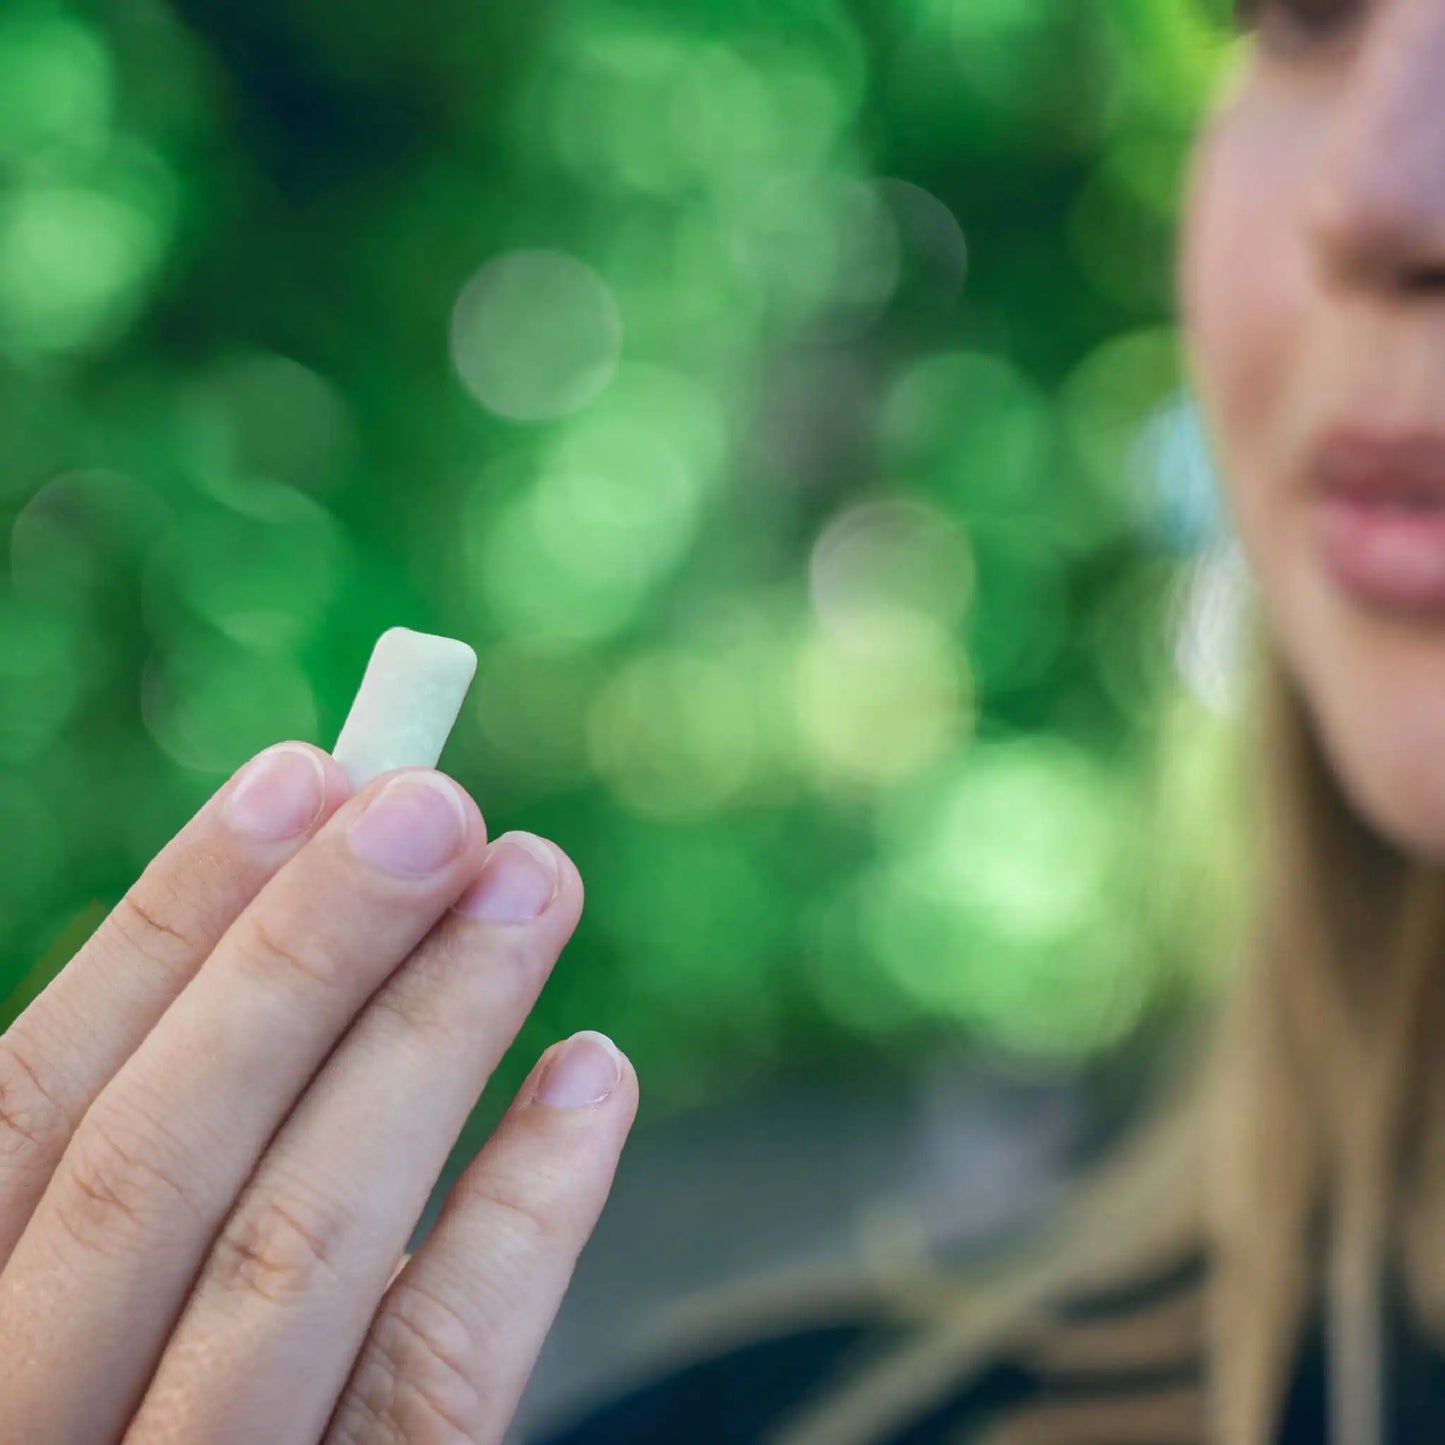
[[1382, 519]]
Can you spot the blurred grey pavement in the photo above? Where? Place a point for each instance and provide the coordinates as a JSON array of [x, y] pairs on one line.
[[798, 1175]]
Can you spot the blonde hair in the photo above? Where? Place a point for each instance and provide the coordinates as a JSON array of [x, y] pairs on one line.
[[1319, 1070], [1301, 1122]]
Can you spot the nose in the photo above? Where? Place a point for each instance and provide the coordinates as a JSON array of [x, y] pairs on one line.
[[1377, 203]]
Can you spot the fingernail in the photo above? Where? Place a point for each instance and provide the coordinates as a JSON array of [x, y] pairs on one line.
[[517, 881], [414, 826], [279, 794], [583, 1070]]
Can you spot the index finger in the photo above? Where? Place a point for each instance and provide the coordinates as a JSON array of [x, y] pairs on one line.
[[74, 1037]]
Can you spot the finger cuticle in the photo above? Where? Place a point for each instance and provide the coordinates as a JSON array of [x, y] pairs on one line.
[[517, 882], [279, 794], [583, 1070], [415, 826]]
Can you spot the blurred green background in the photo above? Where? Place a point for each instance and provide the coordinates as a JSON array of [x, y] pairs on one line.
[[783, 398]]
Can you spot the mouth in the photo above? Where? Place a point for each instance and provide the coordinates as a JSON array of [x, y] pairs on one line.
[[1382, 518]]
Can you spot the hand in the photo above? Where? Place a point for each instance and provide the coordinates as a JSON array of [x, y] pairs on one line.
[[220, 1123]]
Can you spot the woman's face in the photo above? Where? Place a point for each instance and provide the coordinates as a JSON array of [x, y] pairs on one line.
[[1312, 279]]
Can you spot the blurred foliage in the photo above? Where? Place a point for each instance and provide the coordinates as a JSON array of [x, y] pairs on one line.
[[783, 398]]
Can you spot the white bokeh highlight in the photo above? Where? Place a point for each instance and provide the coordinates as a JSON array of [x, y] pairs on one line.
[[536, 335]]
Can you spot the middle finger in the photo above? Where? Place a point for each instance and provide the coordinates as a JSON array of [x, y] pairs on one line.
[[159, 1158]]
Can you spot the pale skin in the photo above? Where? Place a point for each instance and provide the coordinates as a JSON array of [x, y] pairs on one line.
[[1313, 287], [221, 1121]]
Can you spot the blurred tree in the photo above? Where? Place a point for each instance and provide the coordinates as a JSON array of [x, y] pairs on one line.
[[781, 397]]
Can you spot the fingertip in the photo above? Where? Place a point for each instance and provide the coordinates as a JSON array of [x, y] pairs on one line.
[[584, 1070], [471, 815], [338, 785], [569, 876]]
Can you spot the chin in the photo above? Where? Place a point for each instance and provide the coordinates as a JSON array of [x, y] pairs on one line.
[[1375, 687], [1399, 798]]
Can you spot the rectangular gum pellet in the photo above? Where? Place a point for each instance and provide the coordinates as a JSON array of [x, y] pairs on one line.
[[406, 706]]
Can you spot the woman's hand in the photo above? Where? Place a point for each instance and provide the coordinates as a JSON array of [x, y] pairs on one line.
[[221, 1122]]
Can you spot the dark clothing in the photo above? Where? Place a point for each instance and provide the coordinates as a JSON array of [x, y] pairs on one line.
[[1109, 1368]]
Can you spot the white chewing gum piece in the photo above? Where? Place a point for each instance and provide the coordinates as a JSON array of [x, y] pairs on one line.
[[406, 705]]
